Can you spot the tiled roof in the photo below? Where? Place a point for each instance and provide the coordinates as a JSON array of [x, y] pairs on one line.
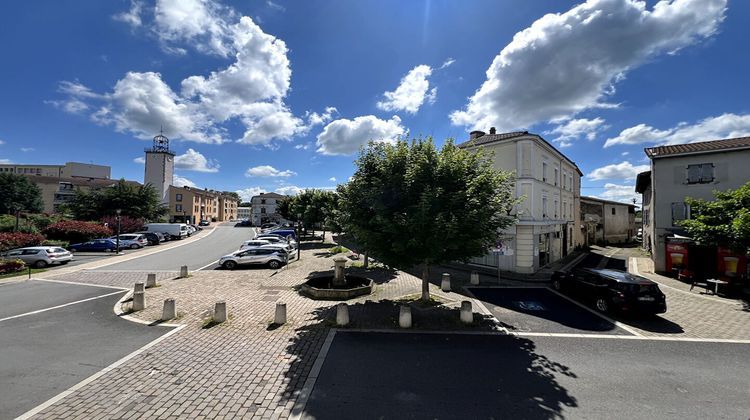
[[700, 147], [490, 138]]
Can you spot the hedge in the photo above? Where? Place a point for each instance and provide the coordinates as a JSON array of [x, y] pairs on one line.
[[127, 224], [74, 231], [10, 241]]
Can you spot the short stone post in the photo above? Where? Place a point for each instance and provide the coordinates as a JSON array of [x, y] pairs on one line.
[[467, 316], [170, 310], [150, 280], [474, 278], [220, 312], [342, 314], [338, 271], [279, 317], [139, 287], [445, 284], [139, 301], [183, 272], [404, 316]]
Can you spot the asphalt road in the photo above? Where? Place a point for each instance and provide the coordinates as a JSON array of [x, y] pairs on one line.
[[195, 255], [43, 354], [498, 376]]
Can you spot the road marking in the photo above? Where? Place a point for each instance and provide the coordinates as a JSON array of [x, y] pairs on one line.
[[207, 265], [36, 410], [80, 284], [574, 262], [608, 319], [59, 306], [633, 269], [482, 308], [117, 309], [299, 406]]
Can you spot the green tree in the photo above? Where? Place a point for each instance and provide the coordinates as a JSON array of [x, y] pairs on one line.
[[134, 200], [232, 194], [410, 204], [19, 193], [724, 221]]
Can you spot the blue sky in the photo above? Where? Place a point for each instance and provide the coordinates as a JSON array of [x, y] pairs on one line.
[[278, 95]]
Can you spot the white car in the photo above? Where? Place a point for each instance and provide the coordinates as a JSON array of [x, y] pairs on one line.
[[274, 258], [276, 239], [253, 243], [40, 256], [131, 240]]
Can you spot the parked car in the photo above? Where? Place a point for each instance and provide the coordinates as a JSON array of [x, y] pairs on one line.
[[40, 256], [277, 239], [253, 243], [204, 223], [284, 232], [131, 240], [244, 223], [175, 230], [274, 258], [191, 230], [154, 238], [612, 290], [265, 226], [105, 244]]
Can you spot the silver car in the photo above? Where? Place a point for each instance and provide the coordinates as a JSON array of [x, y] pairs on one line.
[[274, 258], [40, 256], [253, 243]]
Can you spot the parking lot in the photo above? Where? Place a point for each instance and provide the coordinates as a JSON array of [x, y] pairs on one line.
[[54, 335]]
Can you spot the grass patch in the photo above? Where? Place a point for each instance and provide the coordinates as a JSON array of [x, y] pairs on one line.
[[338, 249], [22, 273]]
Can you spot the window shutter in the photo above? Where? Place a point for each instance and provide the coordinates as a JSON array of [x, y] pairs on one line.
[[694, 174], [707, 172]]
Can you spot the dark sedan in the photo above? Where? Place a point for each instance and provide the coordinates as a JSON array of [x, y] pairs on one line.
[[154, 238], [105, 245], [612, 290]]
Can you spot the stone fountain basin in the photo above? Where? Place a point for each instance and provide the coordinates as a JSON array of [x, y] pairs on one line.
[[321, 287]]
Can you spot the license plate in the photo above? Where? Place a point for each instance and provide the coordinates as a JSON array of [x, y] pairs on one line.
[[646, 298]]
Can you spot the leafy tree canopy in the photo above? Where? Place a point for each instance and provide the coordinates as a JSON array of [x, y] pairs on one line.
[[19, 193], [724, 221], [136, 201], [409, 203]]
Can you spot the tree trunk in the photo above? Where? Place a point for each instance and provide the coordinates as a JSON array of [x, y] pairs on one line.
[[426, 282], [367, 261]]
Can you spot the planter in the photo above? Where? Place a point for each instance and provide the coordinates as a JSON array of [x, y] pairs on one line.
[[321, 287]]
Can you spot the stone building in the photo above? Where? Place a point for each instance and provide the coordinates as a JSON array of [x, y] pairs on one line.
[[607, 222]]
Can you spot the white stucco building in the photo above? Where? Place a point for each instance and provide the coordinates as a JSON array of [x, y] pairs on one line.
[[264, 208], [244, 213], [548, 226]]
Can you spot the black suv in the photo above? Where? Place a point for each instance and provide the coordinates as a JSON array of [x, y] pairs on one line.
[[612, 290], [153, 238]]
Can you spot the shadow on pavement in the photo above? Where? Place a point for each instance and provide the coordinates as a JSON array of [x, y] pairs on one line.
[[655, 324], [428, 375]]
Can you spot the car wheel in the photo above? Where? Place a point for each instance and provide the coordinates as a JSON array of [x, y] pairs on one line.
[[64, 262], [557, 285], [229, 265], [134, 246], [274, 264], [40, 264], [108, 250], [602, 305]]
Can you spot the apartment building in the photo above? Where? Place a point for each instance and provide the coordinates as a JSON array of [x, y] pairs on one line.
[[547, 228], [685, 170], [191, 205], [264, 208], [244, 213], [68, 170], [607, 222]]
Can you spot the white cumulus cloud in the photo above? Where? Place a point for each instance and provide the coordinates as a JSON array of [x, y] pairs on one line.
[[712, 128], [344, 136], [621, 193], [413, 91], [247, 193], [565, 63], [268, 171], [622, 170], [179, 181], [195, 161], [332, 179], [133, 16], [577, 128], [140, 159]]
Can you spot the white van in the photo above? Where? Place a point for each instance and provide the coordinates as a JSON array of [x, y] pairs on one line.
[[175, 230]]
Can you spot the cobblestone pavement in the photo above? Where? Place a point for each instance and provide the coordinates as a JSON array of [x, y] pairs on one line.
[[692, 314], [242, 368]]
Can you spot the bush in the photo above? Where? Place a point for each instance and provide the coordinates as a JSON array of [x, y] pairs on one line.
[[338, 249], [19, 240], [75, 231], [11, 266], [127, 224], [61, 244]]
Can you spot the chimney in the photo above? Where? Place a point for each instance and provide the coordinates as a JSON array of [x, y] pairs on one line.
[[475, 134], [492, 130]]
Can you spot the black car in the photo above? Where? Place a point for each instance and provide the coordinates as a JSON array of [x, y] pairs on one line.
[[612, 290], [204, 223], [154, 238]]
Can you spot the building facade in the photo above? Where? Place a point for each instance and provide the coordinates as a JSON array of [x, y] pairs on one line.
[[607, 222], [244, 213], [264, 208], [159, 167], [548, 215], [68, 170], [686, 170], [191, 205]]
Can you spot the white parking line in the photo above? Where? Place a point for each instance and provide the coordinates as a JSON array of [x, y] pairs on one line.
[[59, 306], [299, 406], [79, 284], [207, 265], [606, 318]]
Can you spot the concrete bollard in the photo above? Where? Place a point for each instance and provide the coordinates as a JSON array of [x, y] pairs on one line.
[[170, 310], [279, 317], [139, 301], [445, 285], [404, 316], [139, 287], [467, 316], [342, 314], [183, 272], [220, 312], [150, 280], [475, 278]]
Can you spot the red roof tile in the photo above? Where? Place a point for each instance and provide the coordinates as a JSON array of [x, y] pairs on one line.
[[700, 147]]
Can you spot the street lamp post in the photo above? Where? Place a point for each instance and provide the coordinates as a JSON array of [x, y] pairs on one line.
[[117, 217], [299, 234]]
